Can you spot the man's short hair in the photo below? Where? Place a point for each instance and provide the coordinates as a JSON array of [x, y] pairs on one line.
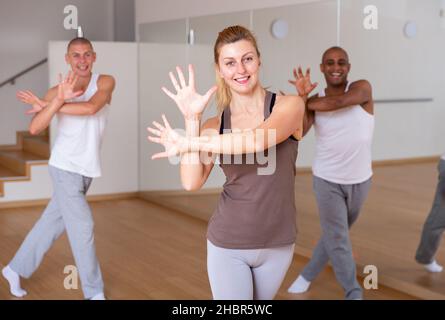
[[332, 49], [79, 41]]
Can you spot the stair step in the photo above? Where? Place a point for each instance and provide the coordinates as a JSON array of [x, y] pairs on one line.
[[7, 173], [38, 145], [16, 160]]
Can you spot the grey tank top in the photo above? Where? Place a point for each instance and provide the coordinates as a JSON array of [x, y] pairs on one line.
[[256, 211]]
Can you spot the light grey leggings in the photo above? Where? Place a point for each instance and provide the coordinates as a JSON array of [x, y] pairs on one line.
[[246, 274], [68, 209]]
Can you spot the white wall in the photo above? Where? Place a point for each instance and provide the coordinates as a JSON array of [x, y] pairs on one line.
[[399, 67], [205, 27], [154, 10], [27, 26]]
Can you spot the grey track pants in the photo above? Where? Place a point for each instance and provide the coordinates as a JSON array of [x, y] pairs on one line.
[[435, 223], [67, 210], [339, 206]]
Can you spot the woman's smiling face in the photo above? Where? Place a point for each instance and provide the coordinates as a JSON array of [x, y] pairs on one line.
[[238, 65]]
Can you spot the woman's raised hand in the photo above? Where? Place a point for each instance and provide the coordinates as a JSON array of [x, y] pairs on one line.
[[191, 103], [173, 142]]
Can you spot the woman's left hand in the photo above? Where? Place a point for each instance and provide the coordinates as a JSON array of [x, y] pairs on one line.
[[191, 103]]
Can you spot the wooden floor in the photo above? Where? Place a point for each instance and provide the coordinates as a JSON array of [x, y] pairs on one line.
[[386, 234], [146, 252]]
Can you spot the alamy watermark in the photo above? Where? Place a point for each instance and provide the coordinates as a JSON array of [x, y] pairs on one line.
[[71, 281], [265, 159], [371, 20], [371, 281], [71, 21]]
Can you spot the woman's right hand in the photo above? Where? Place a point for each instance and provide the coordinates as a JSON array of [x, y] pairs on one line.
[[191, 103], [172, 141]]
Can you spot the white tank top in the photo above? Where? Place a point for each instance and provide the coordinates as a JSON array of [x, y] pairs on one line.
[[443, 156], [79, 138], [343, 144]]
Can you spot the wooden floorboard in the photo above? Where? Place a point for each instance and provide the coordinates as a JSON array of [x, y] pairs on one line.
[[145, 252]]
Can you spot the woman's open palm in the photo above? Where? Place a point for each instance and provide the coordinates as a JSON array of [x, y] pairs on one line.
[[191, 103], [173, 142]]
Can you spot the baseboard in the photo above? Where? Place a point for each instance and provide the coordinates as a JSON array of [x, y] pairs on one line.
[[303, 170], [158, 198], [406, 161], [92, 198], [383, 163], [113, 196], [180, 192]]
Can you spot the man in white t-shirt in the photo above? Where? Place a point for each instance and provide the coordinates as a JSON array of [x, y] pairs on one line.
[[434, 225], [342, 116], [80, 102]]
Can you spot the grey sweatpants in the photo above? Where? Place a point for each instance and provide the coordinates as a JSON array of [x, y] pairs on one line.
[[67, 209], [339, 206], [435, 223]]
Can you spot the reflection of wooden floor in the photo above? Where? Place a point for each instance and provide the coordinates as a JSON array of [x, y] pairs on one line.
[[386, 234], [146, 252]]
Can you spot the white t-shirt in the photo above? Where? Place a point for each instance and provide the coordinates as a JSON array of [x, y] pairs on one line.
[[343, 144], [443, 156], [79, 138]]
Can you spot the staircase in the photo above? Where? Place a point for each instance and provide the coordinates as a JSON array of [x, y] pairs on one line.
[[16, 160]]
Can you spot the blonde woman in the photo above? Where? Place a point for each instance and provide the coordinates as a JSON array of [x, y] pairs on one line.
[[251, 235]]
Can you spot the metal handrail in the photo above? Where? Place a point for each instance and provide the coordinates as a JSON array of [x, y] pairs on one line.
[[402, 100], [18, 75]]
